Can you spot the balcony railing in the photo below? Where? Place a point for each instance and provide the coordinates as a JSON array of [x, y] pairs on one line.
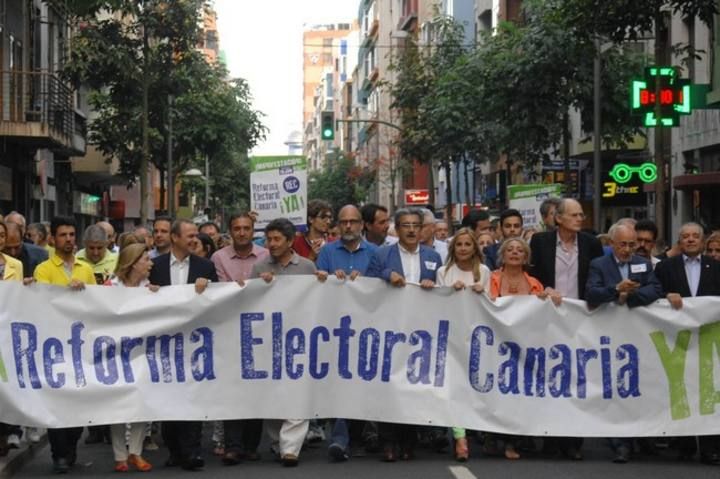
[[38, 106]]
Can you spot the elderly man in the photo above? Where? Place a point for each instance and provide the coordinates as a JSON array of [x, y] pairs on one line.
[[561, 261], [64, 269], [442, 230], [28, 254], [408, 261], [686, 275], [96, 253], [622, 277], [180, 266], [427, 235], [627, 279], [234, 263], [111, 235], [288, 434]]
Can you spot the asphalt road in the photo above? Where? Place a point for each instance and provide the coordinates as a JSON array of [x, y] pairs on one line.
[[96, 461]]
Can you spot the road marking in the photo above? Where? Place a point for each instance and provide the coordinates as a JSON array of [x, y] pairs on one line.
[[462, 472]]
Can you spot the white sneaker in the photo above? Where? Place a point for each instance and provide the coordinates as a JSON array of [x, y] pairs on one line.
[[13, 441]]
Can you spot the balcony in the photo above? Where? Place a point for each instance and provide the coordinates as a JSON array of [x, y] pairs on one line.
[[37, 108]]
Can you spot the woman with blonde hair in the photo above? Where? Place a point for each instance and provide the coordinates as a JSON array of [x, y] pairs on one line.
[[712, 246], [132, 271], [464, 269]]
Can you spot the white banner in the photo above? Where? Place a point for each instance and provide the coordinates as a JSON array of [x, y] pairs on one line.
[[298, 348]]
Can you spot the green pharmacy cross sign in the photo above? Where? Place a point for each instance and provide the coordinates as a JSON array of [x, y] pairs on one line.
[[674, 99]]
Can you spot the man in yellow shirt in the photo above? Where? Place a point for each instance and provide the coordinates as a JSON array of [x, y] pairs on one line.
[[64, 269], [96, 253]]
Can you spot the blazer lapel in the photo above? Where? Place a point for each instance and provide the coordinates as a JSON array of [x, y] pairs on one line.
[[394, 258], [684, 284]]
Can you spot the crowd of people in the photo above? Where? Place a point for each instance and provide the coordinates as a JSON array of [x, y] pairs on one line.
[[490, 256]]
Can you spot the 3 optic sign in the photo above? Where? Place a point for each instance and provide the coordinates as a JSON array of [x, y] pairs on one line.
[[625, 189], [674, 98]]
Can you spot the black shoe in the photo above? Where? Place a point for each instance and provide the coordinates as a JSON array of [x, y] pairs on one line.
[[193, 463], [172, 462], [622, 455], [573, 454], [290, 460], [710, 459], [337, 453], [61, 466]]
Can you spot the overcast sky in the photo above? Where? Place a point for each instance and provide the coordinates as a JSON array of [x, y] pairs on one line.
[[263, 44]]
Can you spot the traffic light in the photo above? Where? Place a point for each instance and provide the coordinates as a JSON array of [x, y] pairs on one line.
[[327, 125]]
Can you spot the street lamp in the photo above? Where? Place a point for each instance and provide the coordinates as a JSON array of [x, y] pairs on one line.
[[196, 173]]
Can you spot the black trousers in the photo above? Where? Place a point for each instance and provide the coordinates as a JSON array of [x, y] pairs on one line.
[[182, 438], [63, 442], [243, 435], [404, 435]]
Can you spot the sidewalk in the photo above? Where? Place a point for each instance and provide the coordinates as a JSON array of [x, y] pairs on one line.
[[16, 458]]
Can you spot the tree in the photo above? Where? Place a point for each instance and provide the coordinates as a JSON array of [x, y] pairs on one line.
[[331, 184], [133, 55]]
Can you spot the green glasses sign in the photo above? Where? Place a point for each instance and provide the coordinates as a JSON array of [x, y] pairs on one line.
[[622, 173]]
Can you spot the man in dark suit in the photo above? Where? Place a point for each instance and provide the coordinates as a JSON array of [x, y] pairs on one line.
[[28, 254], [687, 275], [179, 266], [560, 259], [407, 261], [622, 277]]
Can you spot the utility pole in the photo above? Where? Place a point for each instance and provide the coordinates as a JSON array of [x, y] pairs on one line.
[[597, 145], [145, 159], [170, 172], [659, 153]]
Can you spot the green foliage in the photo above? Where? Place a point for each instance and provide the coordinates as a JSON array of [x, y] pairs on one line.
[[340, 183], [211, 115]]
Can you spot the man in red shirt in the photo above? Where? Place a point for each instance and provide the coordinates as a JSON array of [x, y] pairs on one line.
[[320, 215]]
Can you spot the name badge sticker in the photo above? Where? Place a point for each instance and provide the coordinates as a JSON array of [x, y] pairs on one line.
[[638, 268], [431, 265]]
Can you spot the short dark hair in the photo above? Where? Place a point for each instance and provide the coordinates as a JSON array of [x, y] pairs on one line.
[[471, 219], [162, 218], [59, 221], [284, 226], [369, 211], [647, 225], [509, 213], [209, 223], [176, 228], [242, 214]]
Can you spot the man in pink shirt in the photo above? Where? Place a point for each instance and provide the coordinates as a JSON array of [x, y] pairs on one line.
[[234, 263]]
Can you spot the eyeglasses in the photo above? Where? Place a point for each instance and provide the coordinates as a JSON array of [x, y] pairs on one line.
[[348, 222], [411, 226]]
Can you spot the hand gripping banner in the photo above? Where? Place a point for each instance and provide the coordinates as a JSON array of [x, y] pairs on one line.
[[297, 348]]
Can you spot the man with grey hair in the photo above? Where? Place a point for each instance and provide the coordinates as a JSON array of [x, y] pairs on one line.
[[547, 213], [111, 236], [96, 254], [427, 234], [688, 275], [407, 261]]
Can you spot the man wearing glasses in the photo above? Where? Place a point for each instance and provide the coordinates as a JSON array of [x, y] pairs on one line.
[[405, 262], [320, 216]]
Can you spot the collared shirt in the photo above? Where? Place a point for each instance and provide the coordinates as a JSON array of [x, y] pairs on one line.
[[179, 270], [104, 268], [623, 267], [389, 240], [53, 271], [693, 268], [296, 265], [334, 256], [231, 266], [410, 263], [566, 269], [441, 248]]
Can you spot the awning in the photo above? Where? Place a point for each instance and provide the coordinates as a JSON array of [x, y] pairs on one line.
[[697, 181]]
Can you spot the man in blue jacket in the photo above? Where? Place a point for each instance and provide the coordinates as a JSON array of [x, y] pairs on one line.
[[627, 279], [405, 262], [623, 276]]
